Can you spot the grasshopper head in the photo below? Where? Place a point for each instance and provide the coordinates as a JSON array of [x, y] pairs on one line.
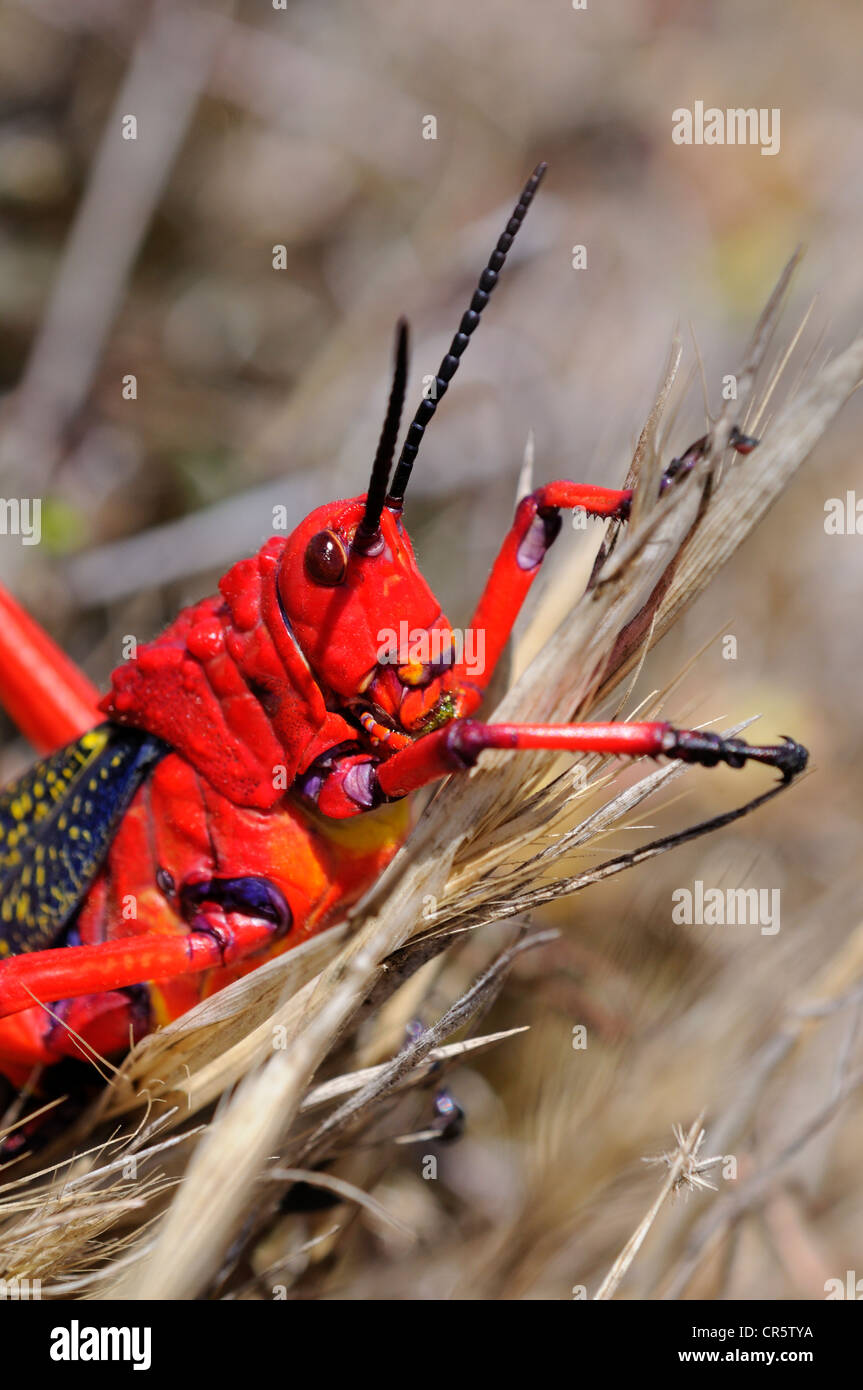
[[341, 594], [348, 575]]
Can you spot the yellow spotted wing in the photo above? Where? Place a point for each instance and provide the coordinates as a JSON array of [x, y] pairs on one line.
[[56, 826]]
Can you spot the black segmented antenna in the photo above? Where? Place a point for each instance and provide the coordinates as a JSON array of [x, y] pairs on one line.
[[369, 528], [447, 368]]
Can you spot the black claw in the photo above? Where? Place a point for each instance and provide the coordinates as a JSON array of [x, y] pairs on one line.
[[708, 749], [678, 468], [792, 758]]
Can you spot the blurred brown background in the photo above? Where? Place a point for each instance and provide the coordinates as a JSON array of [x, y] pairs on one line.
[[304, 128]]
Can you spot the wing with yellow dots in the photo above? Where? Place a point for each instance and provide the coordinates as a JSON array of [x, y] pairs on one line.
[[56, 825]]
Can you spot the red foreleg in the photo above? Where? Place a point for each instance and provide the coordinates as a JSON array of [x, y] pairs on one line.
[[456, 748], [50, 700], [537, 524]]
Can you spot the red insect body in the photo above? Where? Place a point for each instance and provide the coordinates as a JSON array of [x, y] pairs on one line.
[[180, 832], [290, 730]]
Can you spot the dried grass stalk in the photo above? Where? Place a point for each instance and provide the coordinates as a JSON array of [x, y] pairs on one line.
[[480, 846]]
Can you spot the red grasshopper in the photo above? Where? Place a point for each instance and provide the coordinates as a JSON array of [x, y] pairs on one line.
[[219, 816]]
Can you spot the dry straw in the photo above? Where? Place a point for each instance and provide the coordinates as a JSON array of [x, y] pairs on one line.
[[134, 1219]]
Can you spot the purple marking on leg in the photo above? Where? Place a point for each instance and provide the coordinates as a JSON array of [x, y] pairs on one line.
[[541, 533]]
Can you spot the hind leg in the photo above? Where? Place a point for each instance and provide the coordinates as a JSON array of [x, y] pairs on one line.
[[50, 700]]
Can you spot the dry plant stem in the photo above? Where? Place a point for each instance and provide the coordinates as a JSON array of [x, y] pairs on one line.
[[348, 1191], [837, 987], [91, 1179], [752, 1191], [166, 76], [646, 441], [752, 426], [10, 1121], [79, 1210], [388, 1077], [224, 1170], [260, 1123], [401, 966], [259, 1280], [736, 509], [438, 1056], [193, 1059], [614, 1276], [633, 635], [764, 331], [579, 666], [495, 911]]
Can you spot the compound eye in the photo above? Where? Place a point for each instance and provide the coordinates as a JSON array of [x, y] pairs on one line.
[[326, 559]]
